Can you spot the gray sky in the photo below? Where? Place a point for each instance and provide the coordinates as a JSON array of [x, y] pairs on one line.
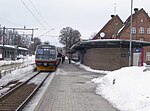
[[87, 16]]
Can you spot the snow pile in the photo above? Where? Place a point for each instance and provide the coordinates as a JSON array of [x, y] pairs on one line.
[[90, 69], [15, 76], [127, 88], [19, 74], [26, 60], [5, 62]]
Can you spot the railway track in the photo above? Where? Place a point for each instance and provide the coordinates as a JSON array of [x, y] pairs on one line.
[[19, 96]]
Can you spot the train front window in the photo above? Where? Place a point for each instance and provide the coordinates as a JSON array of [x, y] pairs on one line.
[[46, 53], [52, 53], [40, 51]]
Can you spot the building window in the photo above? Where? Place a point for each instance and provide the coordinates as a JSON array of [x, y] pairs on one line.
[[147, 56], [141, 30], [141, 39], [148, 30], [133, 30], [141, 20]]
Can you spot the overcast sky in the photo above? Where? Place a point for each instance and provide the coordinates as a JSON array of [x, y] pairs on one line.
[[87, 16]]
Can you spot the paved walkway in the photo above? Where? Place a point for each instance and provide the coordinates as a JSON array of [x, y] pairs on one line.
[[71, 90]]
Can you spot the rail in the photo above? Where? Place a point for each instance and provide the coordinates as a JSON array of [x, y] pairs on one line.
[[18, 97]]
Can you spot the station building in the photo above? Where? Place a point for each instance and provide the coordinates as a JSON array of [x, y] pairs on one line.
[[109, 48], [9, 52], [107, 54], [116, 29]]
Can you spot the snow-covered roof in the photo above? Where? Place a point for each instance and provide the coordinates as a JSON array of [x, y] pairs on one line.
[[9, 46], [121, 29], [13, 47], [101, 40], [114, 40], [21, 48], [108, 43]]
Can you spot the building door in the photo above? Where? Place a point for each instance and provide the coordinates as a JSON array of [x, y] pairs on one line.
[[136, 59]]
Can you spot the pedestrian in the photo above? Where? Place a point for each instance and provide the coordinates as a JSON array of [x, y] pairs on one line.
[[63, 58], [59, 57], [69, 58]]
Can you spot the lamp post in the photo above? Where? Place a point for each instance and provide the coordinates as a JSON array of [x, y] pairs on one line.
[[130, 46], [3, 55]]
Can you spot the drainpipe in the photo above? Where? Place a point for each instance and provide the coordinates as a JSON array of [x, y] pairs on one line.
[[82, 56]]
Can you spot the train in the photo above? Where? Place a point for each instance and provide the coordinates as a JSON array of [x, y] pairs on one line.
[[46, 57]]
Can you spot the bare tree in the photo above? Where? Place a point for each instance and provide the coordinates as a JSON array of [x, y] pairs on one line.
[[68, 37], [36, 41], [17, 40], [93, 35]]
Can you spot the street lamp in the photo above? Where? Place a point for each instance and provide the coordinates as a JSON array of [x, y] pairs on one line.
[[130, 46]]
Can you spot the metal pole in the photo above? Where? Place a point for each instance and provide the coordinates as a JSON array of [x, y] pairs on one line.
[[130, 47], [32, 34], [13, 37], [3, 55], [4, 36], [66, 44]]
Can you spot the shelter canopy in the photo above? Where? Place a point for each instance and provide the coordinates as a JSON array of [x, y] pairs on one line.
[[108, 43]]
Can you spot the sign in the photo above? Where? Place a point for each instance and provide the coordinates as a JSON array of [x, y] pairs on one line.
[[123, 55]]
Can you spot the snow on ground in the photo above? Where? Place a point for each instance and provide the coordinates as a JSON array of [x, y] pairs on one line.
[[37, 80], [41, 93], [26, 60], [89, 69], [127, 88], [22, 75], [17, 75]]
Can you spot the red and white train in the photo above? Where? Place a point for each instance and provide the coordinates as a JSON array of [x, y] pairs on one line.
[[46, 57]]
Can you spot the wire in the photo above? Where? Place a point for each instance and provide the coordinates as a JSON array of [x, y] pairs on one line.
[[52, 35], [33, 14], [10, 22], [39, 13], [46, 32]]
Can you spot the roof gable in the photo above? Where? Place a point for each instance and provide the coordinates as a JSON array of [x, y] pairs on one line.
[[126, 24], [110, 23]]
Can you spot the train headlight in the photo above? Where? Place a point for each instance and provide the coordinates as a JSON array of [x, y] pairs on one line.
[[50, 58], [38, 63], [45, 64]]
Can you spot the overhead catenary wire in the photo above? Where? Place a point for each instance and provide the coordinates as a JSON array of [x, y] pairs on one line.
[[8, 21], [52, 35], [32, 14], [39, 13], [46, 32]]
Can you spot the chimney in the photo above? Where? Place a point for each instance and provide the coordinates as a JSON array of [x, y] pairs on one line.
[[112, 16], [135, 10]]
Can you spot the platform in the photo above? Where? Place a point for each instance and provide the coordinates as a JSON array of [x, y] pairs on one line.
[[72, 90]]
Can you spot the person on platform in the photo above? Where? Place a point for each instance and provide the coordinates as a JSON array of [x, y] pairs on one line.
[[63, 57], [69, 57], [59, 57]]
